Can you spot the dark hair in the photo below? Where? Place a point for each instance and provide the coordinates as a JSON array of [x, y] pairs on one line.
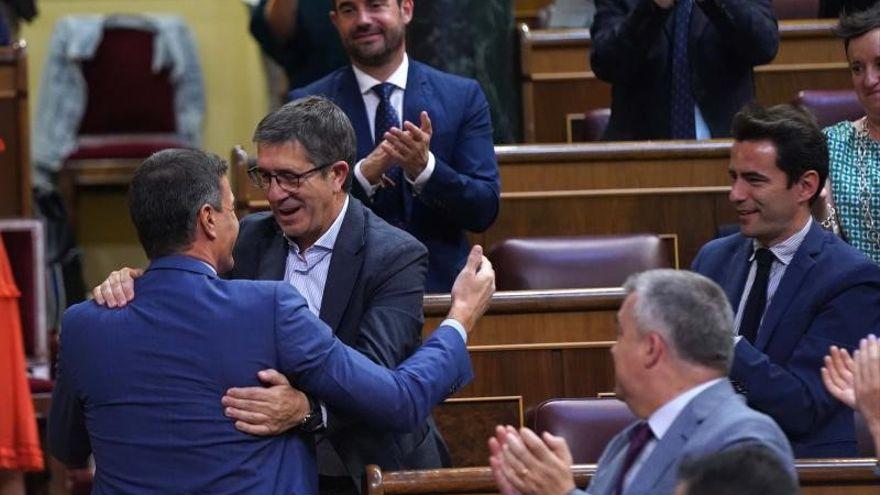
[[857, 22], [165, 196], [321, 127], [800, 144], [748, 470]]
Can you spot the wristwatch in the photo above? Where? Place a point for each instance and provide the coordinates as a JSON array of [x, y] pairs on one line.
[[313, 420]]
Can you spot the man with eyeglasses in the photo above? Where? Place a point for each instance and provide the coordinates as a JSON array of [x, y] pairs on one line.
[[363, 277]]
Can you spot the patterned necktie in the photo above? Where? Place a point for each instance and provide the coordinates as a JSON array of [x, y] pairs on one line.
[[682, 101], [754, 309], [639, 437], [388, 201]]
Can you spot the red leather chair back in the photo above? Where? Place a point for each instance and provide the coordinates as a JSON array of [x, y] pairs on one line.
[[124, 95], [831, 106], [586, 424], [796, 9], [595, 123], [574, 262]]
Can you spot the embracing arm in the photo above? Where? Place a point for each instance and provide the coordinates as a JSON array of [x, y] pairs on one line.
[[622, 38], [67, 434], [466, 190]]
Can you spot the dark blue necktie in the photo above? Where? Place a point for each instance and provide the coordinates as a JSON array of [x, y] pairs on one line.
[[388, 200], [754, 309], [682, 101]]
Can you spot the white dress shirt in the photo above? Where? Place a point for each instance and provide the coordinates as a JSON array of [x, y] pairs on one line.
[[366, 83]]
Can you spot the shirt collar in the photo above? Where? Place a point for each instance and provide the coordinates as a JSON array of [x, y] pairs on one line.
[[328, 239], [785, 250], [397, 78], [662, 418]]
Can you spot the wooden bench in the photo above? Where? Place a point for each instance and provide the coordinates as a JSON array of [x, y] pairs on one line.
[[817, 477], [558, 84]]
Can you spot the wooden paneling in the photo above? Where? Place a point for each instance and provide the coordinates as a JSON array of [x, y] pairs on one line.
[[558, 79], [15, 180], [466, 424], [817, 477]]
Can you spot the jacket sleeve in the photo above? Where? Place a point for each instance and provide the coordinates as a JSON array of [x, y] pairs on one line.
[[747, 28], [397, 400], [622, 37], [466, 190]]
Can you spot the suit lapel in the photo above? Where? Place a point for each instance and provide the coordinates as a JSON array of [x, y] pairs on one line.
[[345, 266], [669, 449], [349, 98], [274, 259], [802, 262], [734, 280]]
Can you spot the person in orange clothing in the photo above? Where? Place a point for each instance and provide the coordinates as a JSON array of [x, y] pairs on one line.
[[19, 441]]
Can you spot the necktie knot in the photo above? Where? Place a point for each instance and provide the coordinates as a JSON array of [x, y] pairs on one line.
[[383, 90], [764, 257], [640, 435]]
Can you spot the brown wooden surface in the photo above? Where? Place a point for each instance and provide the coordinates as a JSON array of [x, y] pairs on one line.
[[466, 424], [15, 179], [822, 476], [558, 79]]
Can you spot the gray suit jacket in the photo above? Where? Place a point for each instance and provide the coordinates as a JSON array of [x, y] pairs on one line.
[[716, 419]]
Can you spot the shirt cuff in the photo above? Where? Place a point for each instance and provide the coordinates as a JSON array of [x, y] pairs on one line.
[[457, 326], [368, 188], [323, 415], [423, 177], [736, 339]]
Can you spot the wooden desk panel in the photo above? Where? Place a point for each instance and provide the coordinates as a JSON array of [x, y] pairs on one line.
[[558, 79]]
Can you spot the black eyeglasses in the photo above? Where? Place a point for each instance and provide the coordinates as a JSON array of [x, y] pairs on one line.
[[287, 181]]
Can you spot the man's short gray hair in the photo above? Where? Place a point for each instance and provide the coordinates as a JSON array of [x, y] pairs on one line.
[[689, 310]]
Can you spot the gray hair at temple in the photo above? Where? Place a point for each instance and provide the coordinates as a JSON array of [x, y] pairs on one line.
[[315, 122], [689, 310]]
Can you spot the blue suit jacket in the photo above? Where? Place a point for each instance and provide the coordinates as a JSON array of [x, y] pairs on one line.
[[463, 192], [716, 419], [141, 386], [373, 302], [829, 295]]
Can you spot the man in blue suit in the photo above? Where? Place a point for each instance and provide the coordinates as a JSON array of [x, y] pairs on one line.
[[426, 160], [797, 288], [140, 386], [673, 351]]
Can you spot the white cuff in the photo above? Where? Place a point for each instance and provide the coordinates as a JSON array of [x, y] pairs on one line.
[[323, 415], [423, 177], [456, 325], [736, 339], [370, 189]]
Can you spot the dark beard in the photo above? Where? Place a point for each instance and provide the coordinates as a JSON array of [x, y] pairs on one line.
[[393, 41]]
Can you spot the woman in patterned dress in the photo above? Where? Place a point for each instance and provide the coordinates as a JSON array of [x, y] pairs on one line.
[[854, 147]]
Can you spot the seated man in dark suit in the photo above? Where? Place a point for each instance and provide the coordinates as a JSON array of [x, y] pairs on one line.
[[140, 386], [748, 470], [424, 137], [360, 275], [797, 289]]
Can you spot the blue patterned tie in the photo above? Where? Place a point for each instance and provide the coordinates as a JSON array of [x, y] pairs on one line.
[[387, 202], [682, 104]]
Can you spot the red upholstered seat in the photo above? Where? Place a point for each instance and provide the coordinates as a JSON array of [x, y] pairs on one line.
[[574, 262], [796, 9], [40, 385], [830, 106], [595, 123], [586, 424]]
